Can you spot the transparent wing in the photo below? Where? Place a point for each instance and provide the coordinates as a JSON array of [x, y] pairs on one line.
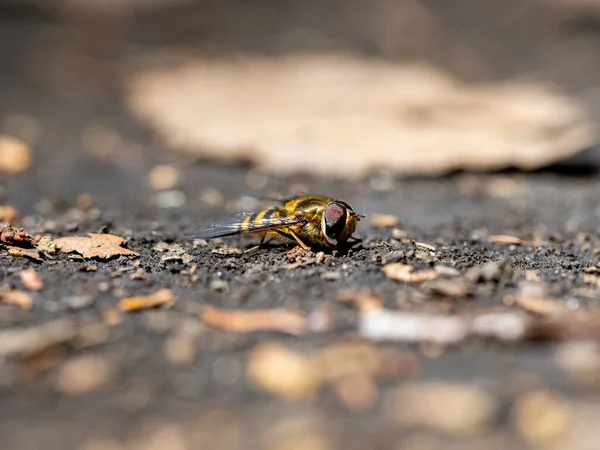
[[230, 226]]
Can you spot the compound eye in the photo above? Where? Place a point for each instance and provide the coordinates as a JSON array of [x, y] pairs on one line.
[[335, 220]]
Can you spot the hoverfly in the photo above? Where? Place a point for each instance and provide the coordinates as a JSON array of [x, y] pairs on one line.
[[311, 220]]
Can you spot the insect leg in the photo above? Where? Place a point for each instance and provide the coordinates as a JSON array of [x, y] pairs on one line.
[[302, 244], [256, 247]]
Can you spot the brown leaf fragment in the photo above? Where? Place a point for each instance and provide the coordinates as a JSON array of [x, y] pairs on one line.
[[283, 320], [117, 240], [102, 246], [31, 280], [506, 239], [15, 236], [384, 220], [160, 297], [284, 373], [9, 214], [18, 298], [23, 252], [406, 274]]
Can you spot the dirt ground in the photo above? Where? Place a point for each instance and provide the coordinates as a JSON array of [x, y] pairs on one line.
[[77, 373]]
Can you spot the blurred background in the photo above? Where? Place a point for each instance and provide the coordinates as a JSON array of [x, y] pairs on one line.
[[339, 88], [167, 113]]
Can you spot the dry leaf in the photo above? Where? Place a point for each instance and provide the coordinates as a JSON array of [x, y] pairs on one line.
[[24, 252], [508, 240], [18, 298], [161, 297], [283, 372], [384, 220], [406, 274], [355, 115], [283, 320], [101, 246], [31, 280]]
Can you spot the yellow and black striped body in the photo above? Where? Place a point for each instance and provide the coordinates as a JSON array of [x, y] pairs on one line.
[[302, 218]]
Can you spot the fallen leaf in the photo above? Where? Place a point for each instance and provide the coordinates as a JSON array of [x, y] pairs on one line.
[[161, 297], [283, 372], [406, 274], [405, 118], [384, 220], [100, 246], [24, 252], [506, 239], [15, 155], [31, 280], [116, 240], [18, 298], [283, 320]]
